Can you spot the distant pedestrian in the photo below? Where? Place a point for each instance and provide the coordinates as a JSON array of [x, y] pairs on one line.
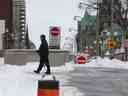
[[43, 53]]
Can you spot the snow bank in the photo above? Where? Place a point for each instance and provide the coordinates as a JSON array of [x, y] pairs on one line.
[[70, 91], [104, 62]]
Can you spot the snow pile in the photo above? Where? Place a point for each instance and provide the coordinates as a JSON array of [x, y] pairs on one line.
[[70, 90], [105, 62]]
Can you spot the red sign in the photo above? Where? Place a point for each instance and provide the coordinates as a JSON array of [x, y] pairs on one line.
[[55, 31], [81, 60]]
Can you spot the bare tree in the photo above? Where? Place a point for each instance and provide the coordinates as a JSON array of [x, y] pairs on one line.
[[89, 6], [120, 15], [119, 10]]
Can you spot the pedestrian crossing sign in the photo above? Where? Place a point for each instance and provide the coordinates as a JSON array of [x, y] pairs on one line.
[[111, 44]]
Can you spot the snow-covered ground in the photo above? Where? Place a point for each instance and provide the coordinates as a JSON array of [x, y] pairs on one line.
[[21, 81], [105, 62]]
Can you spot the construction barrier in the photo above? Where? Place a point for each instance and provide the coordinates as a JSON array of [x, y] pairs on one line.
[[48, 88]]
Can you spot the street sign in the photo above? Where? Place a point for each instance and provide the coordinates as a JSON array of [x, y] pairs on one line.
[[54, 37], [55, 31], [81, 59], [111, 43]]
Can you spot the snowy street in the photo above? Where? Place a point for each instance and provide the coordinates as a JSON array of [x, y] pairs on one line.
[[99, 77], [100, 81]]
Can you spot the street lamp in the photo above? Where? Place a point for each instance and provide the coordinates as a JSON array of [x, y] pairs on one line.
[[104, 35]]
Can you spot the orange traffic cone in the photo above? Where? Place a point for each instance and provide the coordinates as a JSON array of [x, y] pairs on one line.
[[48, 88]]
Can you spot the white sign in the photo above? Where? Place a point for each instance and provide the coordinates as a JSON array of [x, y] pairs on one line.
[[54, 37]]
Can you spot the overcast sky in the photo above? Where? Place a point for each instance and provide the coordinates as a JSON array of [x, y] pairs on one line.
[[44, 13]]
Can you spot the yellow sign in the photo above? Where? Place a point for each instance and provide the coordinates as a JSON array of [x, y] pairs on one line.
[[111, 44]]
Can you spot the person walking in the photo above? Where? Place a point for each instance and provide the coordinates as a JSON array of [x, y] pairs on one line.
[[43, 52]]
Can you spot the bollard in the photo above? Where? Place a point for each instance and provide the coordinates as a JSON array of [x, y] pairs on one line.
[[48, 88]]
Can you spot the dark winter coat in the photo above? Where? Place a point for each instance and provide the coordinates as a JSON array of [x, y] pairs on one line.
[[43, 49]]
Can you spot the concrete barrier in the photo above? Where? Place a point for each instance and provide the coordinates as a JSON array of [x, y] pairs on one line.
[[22, 56]]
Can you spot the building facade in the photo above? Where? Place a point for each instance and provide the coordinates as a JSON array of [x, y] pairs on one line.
[[19, 24], [6, 22], [15, 30], [110, 24], [86, 35]]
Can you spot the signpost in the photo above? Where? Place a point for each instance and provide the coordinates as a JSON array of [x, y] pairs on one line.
[[54, 37]]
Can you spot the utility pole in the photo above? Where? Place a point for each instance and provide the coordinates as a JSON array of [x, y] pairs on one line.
[[111, 19], [110, 28], [99, 2]]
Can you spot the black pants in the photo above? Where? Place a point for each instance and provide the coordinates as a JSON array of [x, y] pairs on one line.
[[44, 62]]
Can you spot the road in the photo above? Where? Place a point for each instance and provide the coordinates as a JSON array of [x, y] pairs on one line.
[[97, 81]]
